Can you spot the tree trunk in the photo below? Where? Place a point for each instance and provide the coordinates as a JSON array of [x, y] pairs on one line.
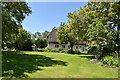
[[71, 46]]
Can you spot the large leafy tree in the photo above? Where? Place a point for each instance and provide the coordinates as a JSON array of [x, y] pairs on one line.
[[41, 43], [23, 40], [75, 20], [66, 35], [98, 22], [13, 13], [40, 40], [103, 24]]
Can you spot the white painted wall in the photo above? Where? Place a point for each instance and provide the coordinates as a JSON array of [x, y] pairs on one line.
[[80, 47]]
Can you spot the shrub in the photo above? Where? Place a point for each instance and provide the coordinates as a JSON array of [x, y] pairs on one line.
[[48, 49], [60, 49], [77, 52], [41, 43], [41, 50], [51, 50], [54, 50], [83, 52], [96, 50], [115, 61], [69, 52], [110, 60], [92, 50], [101, 50], [63, 51], [27, 46], [74, 52]]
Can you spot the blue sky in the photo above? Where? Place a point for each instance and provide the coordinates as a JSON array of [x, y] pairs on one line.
[[46, 15]]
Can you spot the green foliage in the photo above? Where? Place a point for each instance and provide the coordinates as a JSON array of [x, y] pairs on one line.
[[23, 41], [45, 33], [40, 39], [65, 34], [62, 34], [41, 43], [13, 34], [101, 51], [41, 49], [13, 13], [93, 50], [74, 52], [98, 22], [107, 60], [63, 51], [37, 35], [60, 51], [102, 27], [77, 52], [55, 50], [110, 60], [27, 45], [51, 50]]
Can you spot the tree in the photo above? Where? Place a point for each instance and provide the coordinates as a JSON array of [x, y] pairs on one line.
[[66, 35], [23, 41], [33, 38], [13, 13], [44, 34], [103, 39], [40, 40], [38, 35], [104, 24], [41, 43], [115, 21], [98, 20], [80, 29]]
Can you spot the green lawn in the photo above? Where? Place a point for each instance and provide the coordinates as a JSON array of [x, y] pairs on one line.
[[52, 65]]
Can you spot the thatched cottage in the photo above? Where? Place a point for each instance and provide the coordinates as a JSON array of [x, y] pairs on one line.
[[53, 43]]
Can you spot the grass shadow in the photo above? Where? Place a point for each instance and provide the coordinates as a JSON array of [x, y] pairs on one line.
[[17, 64]]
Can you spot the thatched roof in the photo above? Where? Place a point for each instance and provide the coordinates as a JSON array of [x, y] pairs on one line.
[[52, 38]]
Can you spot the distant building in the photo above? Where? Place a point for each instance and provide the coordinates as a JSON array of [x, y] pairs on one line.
[[53, 43]]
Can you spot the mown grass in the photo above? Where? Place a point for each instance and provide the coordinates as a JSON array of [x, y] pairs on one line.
[[52, 65]]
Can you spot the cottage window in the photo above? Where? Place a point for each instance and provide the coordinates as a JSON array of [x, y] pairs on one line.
[[80, 46], [76, 47], [83, 48], [56, 46], [47, 37], [63, 46], [68, 46]]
